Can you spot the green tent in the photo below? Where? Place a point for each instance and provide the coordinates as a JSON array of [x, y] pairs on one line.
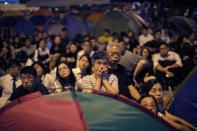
[[117, 22]]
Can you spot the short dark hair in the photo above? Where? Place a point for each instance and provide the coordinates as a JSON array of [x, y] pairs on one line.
[[143, 97], [99, 55], [157, 30], [86, 41], [107, 30], [22, 57], [29, 70], [163, 43], [13, 63]]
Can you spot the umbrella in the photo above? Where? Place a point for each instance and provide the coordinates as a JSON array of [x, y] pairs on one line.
[[182, 25], [184, 103], [116, 22], [75, 111]]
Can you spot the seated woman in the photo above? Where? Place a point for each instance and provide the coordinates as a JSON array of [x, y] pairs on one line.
[[40, 69], [83, 69], [42, 53], [153, 87], [64, 78], [100, 80]]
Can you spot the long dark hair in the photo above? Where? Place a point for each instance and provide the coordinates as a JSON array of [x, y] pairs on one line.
[[68, 81], [44, 68], [147, 86], [89, 69], [150, 53]]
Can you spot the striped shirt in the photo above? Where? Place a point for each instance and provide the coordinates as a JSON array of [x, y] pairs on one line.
[[89, 82]]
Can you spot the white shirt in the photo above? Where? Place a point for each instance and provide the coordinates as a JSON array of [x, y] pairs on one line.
[[144, 39], [172, 56], [78, 76], [6, 82], [41, 52]]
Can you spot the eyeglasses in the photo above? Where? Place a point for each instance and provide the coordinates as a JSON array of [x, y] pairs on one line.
[[115, 53], [29, 77], [152, 105]]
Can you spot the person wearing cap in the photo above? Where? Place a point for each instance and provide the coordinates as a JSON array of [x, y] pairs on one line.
[[29, 84]]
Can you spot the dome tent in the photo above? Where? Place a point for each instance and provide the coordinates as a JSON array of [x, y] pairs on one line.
[[182, 25], [117, 22], [78, 111], [184, 103]]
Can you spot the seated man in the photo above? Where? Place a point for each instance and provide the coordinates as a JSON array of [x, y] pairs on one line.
[[166, 64], [125, 83], [9, 81], [100, 80], [29, 84]]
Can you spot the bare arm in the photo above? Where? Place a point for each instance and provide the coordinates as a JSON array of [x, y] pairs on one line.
[[110, 88], [160, 68], [98, 85], [177, 119], [134, 93], [139, 67]]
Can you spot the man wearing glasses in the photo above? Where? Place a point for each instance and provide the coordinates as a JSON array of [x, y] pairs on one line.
[[125, 83], [29, 84]]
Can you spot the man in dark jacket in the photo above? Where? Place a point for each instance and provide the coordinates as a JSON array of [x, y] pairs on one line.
[[29, 84]]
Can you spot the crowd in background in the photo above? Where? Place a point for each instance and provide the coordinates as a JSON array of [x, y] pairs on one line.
[[145, 69]]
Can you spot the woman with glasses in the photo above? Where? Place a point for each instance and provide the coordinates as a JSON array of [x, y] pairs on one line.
[[153, 88], [64, 78]]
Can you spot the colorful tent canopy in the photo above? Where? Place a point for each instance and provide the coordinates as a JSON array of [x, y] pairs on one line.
[[73, 24], [65, 3], [77, 111], [184, 104], [95, 16]]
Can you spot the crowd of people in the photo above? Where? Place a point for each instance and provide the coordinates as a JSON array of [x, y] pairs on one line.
[[142, 69]]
